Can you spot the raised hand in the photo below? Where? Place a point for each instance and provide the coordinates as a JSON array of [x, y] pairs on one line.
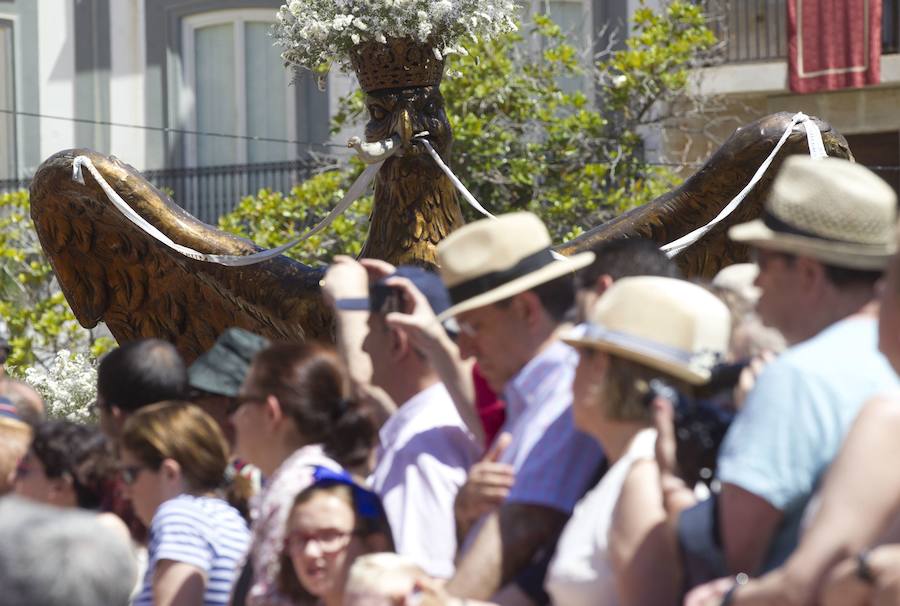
[[486, 488], [346, 278]]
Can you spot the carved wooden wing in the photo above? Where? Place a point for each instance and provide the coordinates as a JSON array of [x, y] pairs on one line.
[[109, 270], [700, 198], [112, 271]]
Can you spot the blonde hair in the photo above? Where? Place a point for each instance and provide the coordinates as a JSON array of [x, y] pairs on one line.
[[15, 436], [626, 386], [181, 432]]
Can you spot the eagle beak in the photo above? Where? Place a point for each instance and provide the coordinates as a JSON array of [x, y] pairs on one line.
[[404, 127]]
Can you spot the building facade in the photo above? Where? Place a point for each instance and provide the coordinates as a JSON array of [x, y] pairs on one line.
[[752, 81], [153, 82]]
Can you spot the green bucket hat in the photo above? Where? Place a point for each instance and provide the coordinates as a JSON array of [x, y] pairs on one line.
[[222, 369]]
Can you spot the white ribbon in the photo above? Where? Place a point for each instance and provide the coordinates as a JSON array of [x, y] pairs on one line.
[[453, 178], [814, 139], [467, 195], [816, 150], [358, 188]]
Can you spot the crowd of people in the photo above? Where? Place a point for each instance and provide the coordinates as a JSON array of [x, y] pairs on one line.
[[516, 428]]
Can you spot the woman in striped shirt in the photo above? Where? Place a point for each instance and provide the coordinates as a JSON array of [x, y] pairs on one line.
[[173, 462]]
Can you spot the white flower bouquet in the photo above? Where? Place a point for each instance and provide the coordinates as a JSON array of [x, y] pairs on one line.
[[318, 33], [68, 387]]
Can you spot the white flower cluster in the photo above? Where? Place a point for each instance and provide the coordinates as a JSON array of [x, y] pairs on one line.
[[318, 33], [68, 387]]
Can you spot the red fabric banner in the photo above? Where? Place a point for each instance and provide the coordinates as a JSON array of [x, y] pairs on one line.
[[833, 44]]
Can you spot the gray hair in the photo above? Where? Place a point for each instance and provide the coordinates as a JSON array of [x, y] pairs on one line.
[[61, 557]]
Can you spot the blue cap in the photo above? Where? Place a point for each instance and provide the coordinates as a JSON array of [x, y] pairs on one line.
[[383, 298], [368, 505]]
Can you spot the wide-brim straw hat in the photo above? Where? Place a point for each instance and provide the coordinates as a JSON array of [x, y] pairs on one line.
[[832, 210], [494, 259], [667, 324]]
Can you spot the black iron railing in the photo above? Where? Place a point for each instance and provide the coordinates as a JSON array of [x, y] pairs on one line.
[[756, 30], [208, 192], [11, 185]]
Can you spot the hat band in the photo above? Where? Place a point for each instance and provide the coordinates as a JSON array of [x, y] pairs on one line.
[[776, 224], [595, 332], [482, 284]]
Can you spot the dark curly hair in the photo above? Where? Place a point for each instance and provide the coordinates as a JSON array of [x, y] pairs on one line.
[[80, 452]]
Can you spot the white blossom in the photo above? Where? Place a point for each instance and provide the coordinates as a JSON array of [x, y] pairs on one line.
[[441, 9], [316, 32], [68, 386]]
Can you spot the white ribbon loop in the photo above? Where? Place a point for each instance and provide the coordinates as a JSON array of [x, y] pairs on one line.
[[356, 190], [816, 150], [466, 194]]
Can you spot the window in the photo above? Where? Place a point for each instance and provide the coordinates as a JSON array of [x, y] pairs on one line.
[[235, 83], [574, 18], [879, 150], [571, 17], [8, 164]]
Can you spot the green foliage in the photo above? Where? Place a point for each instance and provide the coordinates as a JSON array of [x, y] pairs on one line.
[[522, 142], [273, 218], [38, 319]]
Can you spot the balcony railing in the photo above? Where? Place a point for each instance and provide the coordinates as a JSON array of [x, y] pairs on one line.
[[756, 30], [208, 192]]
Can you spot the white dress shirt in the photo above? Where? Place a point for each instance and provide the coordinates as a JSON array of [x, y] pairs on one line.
[[424, 456]]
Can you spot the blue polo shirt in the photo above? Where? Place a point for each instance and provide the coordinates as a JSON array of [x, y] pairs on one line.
[[796, 417]]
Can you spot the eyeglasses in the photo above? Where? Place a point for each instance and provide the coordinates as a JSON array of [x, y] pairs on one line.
[[329, 541], [130, 473], [466, 328]]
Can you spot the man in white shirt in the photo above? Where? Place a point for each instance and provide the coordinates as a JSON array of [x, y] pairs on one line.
[[425, 449]]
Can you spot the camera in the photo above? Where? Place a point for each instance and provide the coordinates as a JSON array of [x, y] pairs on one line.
[[701, 422]]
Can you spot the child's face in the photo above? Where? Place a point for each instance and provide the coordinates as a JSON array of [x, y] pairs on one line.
[[322, 543]]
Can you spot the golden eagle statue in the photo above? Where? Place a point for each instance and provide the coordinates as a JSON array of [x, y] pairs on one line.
[[111, 271]]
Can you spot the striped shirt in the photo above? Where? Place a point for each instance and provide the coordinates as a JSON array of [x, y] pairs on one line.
[[206, 533], [554, 462]]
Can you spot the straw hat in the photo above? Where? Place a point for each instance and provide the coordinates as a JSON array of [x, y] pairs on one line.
[[671, 325], [831, 209], [493, 259], [740, 279]]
